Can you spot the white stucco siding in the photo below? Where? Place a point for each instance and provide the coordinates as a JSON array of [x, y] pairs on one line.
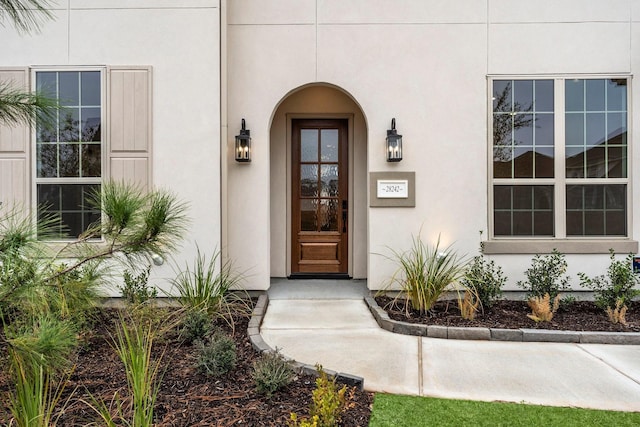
[[179, 40], [424, 63], [538, 48], [260, 75], [431, 78], [401, 12]]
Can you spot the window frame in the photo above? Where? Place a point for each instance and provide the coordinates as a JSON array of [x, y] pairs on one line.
[[104, 150], [560, 240]]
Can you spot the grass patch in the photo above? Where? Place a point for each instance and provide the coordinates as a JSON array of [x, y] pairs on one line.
[[411, 411]]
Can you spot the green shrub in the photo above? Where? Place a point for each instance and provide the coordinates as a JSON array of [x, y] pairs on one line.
[[328, 403], [272, 372], [135, 289], [196, 326], [205, 286], [216, 356], [47, 340], [39, 352], [425, 273], [486, 278], [546, 276], [617, 285]]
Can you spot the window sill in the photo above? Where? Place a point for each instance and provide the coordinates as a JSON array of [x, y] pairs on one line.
[[565, 246], [61, 249]]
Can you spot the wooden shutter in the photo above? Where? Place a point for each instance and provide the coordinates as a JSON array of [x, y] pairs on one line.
[[14, 149], [129, 119]]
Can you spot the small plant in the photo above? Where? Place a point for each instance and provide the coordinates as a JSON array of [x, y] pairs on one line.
[[425, 273], [136, 290], [468, 306], [618, 314], [46, 340], [35, 399], [542, 308], [196, 326], [217, 356], [329, 402], [617, 287], [212, 288], [133, 344], [546, 276], [272, 372], [486, 278]]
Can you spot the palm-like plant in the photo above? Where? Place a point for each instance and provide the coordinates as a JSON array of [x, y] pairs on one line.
[[25, 15], [18, 106], [136, 226]]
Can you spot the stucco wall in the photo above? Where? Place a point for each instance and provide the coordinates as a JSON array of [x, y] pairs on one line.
[[180, 40], [424, 62]]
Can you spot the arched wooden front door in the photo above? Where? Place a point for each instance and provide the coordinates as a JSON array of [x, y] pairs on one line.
[[320, 199]]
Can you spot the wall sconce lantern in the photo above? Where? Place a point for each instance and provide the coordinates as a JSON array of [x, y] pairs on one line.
[[394, 143], [243, 145]]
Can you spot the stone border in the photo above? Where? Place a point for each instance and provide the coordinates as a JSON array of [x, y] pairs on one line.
[[253, 330], [496, 334]]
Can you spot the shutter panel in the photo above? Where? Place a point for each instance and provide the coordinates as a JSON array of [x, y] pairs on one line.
[[14, 150], [129, 119]]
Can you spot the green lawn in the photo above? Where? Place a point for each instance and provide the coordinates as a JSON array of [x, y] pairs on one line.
[[400, 411]]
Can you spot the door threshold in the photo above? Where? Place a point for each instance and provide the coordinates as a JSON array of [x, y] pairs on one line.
[[326, 276]]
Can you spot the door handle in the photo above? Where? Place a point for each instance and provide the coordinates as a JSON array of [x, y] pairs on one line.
[[345, 204]]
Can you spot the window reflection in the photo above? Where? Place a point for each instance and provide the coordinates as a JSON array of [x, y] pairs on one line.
[[309, 145], [329, 145], [523, 129], [309, 180], [596, 121]]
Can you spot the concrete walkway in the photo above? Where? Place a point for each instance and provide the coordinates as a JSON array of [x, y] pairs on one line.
[[329, 323]]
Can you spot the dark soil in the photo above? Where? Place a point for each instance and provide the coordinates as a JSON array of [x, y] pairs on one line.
[[186, 397], [575, 316]]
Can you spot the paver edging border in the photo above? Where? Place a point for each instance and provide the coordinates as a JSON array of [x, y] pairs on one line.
[[497, 334], [253, 331]]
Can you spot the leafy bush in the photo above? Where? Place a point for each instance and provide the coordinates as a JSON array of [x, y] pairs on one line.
[[272, 372], [205, 287], [327, 406], [135, 290], [196, 326], [617, 285], [486, 278], [216, 356], [546, 276], [424, 273]]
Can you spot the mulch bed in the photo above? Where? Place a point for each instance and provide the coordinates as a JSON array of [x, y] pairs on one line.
[[576, 316], [186, 397]]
